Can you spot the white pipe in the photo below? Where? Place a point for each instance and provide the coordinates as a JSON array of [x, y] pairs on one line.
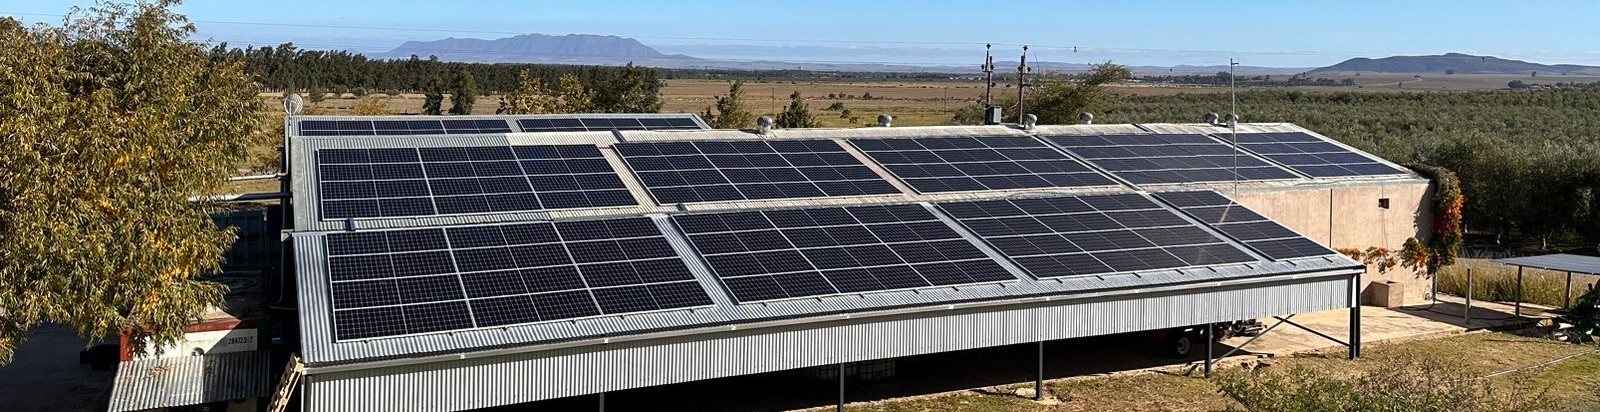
[[255, 177], [240, 197]]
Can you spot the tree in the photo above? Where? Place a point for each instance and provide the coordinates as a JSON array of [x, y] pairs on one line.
[[463, 93], [1061, 101], [530, 97], [1516, 84], [316, 94], [111, 122], [433, 96], [730, 113], [574, 97], [369, 106], [797, 115], [631, 90]]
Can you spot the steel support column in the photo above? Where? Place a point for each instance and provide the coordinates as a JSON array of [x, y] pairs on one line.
[[1038, 383], [1210, 330], [1518, 310], [841, 388], [1355, 318]]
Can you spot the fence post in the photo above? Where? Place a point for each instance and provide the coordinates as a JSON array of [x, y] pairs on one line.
[[1467, 313]]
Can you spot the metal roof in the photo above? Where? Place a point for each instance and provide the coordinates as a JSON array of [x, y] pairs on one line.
[[189, 380], [1560, 262], [315, 307]]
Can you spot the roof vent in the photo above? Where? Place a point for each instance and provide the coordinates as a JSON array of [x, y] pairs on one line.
[[1231, 120], [763, 124], [292, 104], [1028, 120], [885, 120], [1211, 119], [1086, 118]]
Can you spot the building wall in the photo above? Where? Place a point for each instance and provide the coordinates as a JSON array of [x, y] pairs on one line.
[[1348, 216], [524, 377]]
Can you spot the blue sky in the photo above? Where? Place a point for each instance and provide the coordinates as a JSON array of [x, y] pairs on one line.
[[1298, 34]]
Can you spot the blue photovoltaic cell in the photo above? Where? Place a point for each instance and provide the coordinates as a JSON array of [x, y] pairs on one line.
[[1090, 235], [1313, 156], [709, 171], [401, 282], [1168, 158], [954, 164], [776, 254], [591, 124], [402, 127], [400, 182], [1265, 236]]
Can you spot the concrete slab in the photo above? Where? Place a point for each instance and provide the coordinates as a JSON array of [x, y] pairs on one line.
[[1385, 325]]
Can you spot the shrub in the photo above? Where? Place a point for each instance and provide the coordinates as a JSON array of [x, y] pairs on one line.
[[1416, 384]]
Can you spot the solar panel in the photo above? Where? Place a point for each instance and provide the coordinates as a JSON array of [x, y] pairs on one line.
[[1313, 156], [402, 282], [1168, 158], [776, 254], [590, 124], [1259, 233], [709, 171], [402, 127], [1089, 235], [400, 182], [953, 164]]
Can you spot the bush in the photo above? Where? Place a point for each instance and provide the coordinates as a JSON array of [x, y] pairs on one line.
[[1414, 384]]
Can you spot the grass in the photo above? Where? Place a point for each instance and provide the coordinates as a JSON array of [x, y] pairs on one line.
[[1496, 282], [1569, 385]]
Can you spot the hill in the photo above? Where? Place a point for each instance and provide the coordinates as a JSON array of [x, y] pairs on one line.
[[1456, 62], [586, 48]]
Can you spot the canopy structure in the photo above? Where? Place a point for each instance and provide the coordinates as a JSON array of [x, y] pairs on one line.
[[1560, 262]]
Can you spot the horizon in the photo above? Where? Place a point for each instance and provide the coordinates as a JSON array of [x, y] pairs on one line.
[[930, 34]]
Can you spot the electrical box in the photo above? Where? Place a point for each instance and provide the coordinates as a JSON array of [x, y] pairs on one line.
[[991, 115]]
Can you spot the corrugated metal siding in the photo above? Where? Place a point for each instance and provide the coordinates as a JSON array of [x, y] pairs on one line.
[[190, 380], [508, 379]]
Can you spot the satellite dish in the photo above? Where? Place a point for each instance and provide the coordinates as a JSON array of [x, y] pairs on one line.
[[292, 104]]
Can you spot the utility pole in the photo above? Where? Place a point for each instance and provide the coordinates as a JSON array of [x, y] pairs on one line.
[[1022, 82], [1233, 126], [988, 70]]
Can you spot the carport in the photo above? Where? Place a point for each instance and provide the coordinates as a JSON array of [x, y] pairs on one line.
[[1560, 262]]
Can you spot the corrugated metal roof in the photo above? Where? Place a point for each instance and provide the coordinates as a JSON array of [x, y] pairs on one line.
[[1560, 262], [189, 380]]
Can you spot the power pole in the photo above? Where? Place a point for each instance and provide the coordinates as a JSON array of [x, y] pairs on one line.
[[1233, 126], [1022, 81], [988, 70]]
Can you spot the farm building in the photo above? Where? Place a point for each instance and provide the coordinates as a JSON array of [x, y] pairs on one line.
[[479, 261]]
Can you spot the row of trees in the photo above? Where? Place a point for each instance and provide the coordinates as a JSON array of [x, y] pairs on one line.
[[1529, 163]]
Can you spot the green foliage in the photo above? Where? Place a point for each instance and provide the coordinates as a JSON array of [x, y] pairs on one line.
[[433, 97], [464, 93], [631, 89], [111, 122], [1516, 84], [836, 106], [1060, 101], [797, 115], [730, 112], [573, 96], [1447, 202], [530, 97], [1413, 384], [1528, 163], [316, 94]]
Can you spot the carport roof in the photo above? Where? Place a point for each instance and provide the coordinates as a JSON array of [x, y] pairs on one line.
[[1560, 262]]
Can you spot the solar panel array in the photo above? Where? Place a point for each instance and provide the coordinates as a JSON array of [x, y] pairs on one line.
[[951, 164], [1089, 235], [1313, 156], [366, 183], [1168, 158], [401, 282], [777, 254], [402, 127], [708, 171], [582, 124], [1259, 233]]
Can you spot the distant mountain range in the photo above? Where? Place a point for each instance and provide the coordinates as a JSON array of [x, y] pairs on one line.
[[616, 51], [1452, 63]]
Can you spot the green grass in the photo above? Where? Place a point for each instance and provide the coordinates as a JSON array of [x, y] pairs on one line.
[[1496, 282]]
